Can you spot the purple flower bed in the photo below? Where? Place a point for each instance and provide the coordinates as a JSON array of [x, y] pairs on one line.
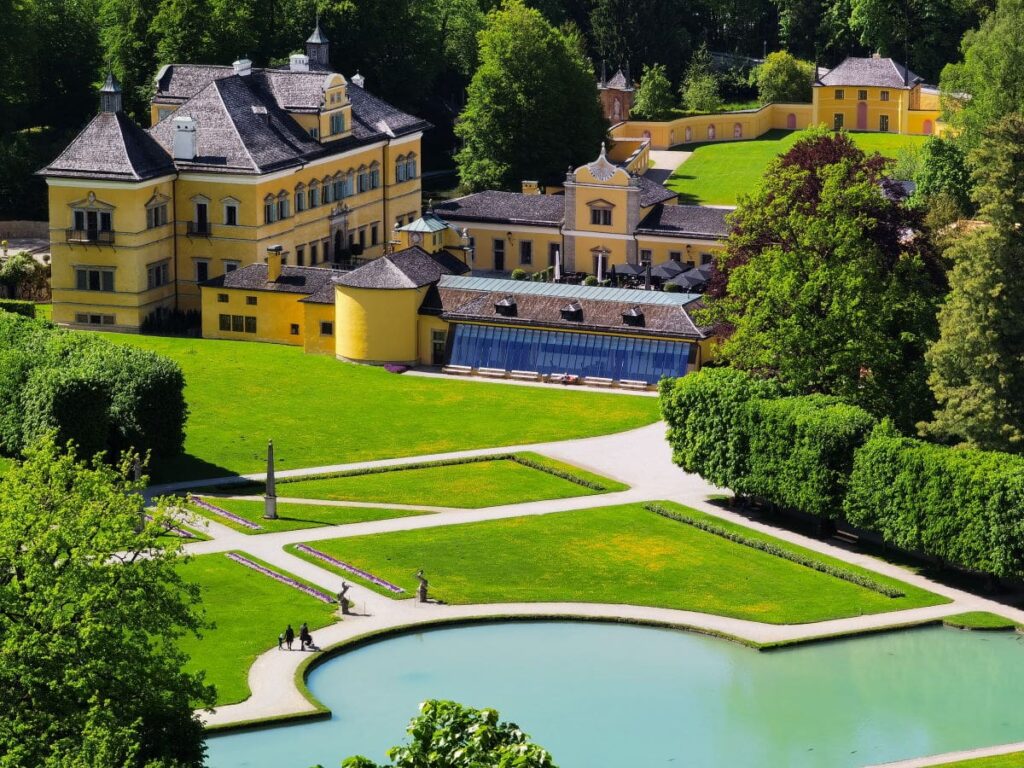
[[393, 368], [321, 596], [172, 529], [350, 568], [226, 515]]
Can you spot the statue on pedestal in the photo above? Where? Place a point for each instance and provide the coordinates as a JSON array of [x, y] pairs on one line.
[[342, 600], [421, 590]]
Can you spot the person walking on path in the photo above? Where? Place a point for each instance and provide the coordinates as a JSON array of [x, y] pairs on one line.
[[304, 638], [289, 636], [280, 641]]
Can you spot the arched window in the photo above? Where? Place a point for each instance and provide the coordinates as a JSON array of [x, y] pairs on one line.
[[269, 209], [364, 178], [325, 190], [711, 131], [339, 186], [374, 175], [410, 166], [400, 169], [283, 208], [313, 195], [737, 131], [350, 183], [688, 135], [300, 197]]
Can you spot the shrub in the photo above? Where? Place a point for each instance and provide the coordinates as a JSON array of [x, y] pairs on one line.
[[672, 288], [590, 280], [962, 506], [71, 402], [801, 451], [519, 274], [707, 416], [26, 308], [15, 367]]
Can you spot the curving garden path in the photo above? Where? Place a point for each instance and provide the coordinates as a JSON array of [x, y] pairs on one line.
[[640, 458]]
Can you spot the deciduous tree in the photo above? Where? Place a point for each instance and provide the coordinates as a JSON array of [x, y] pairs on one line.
[[977, 365], [700, 89], [829, 283], [784, 78], [530, 77], [654, 100], [90, 606]]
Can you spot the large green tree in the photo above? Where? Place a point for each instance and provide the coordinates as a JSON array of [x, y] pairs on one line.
[[90, 606], [654, 99], [829, 283], [449, 735], [700, 90], [989, 73], [637, 33], [977, 365], [531, 76], [942, 170], [784, 78]]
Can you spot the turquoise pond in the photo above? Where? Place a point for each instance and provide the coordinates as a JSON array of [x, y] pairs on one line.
[[614, 695]]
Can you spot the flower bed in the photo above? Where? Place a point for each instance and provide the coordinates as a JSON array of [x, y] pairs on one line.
[[321, 596], [237, 519], [349, 568], [173, 529]]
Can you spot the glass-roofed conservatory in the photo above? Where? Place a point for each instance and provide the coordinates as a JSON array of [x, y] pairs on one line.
[[582, 354]]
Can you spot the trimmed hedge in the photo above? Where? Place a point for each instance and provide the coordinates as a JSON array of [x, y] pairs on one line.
[[102, 396], [18, 307], [962, 506], [708, 422], [801, 451], [778, 551]]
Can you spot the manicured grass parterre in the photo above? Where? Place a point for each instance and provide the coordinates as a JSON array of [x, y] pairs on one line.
[[249, 610], [292, 517], [1015, 760], [321, 411], [719, 172], [622, 554], [979, 620], [472, 484]]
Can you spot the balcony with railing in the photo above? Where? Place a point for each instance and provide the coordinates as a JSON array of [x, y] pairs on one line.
[[201, 228], [97, 236]]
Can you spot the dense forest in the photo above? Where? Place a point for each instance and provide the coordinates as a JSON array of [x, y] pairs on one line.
[[419, 54]]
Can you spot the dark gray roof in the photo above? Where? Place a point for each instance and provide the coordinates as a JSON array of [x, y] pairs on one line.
[[878, 72], [307, 280], [112, 147], [545, 311], [232, 137], [692, 220], [410, 268], [510, 207], [618, 82], [652, 193], [318, 36], [373, 117]]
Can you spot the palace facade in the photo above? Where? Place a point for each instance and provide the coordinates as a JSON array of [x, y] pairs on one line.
[[237, 159]]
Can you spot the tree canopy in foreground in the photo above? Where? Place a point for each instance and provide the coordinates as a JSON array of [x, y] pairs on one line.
[[447, 734], [829, 282], [90, 607]]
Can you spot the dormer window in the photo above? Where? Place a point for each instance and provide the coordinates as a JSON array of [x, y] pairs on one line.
[[506, 307], [633, 316], [337, 123], [572, 311]]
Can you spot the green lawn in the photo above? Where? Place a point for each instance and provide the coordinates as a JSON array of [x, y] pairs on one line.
[[622, 554], [471, 485], [320, 411], [250, 610], [1015, 760], [979, 620], [718, 172], [294, 516]]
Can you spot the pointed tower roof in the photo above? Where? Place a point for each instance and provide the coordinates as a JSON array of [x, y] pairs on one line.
[[318, 37], [110, 85]]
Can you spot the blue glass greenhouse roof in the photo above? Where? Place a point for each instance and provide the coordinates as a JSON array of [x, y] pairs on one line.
[[566, 291]]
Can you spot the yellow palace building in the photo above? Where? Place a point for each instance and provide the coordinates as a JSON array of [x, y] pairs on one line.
[[237, 159]]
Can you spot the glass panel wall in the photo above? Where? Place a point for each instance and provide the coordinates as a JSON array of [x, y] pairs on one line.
[[582, 354]]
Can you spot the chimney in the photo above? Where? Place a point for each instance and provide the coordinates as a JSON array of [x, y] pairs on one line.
[[531, 188], [184, 141], [274, 257], [876, 55], [243, 67], [358, 80], [110, 95], [298, 62]]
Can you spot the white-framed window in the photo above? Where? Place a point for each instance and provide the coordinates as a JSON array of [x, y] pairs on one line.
[[158, 274], [601, 217], [237, 323], [339, 187], [313, 194], [283, 206], [269, 209], [374, 175], [231, 266], [410, 166], [364, 179], [202, 267], [337, 123], [94, 279], [89, 222], [300, 198], [400, 169], [231, 213], [156, 215]]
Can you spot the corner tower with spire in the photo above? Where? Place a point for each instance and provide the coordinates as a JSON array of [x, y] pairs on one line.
[[318, 49]]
